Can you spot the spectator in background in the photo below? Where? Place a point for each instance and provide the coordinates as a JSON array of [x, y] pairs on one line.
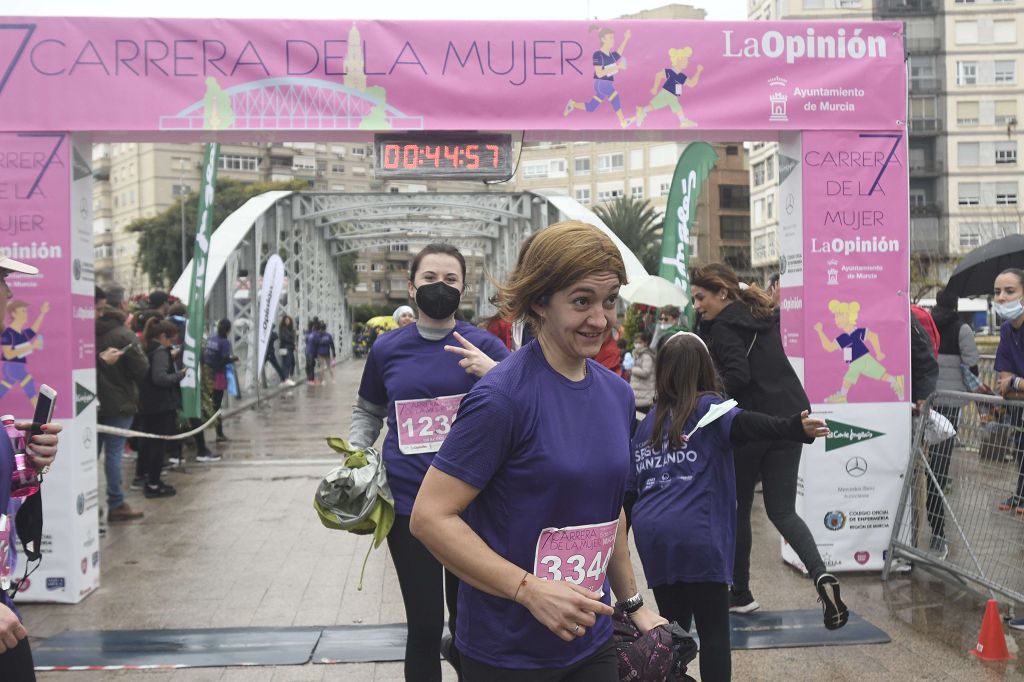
[[642, 377], [958, 353], [217, 356], [403, 316], [310, 338], [609, 355], [925, 318], [668, 324], [286, 348], [178, 314], [271, 358], [158, 305], [122, 364], [325, 352], [159, 400]]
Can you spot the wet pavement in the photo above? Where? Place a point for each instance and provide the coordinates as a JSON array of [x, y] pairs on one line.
[[240, 545]]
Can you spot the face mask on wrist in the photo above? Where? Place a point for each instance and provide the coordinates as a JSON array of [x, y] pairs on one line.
[[438, 300], [1010, 310]]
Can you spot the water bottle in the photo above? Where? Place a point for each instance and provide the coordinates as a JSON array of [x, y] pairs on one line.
[[24, 478]]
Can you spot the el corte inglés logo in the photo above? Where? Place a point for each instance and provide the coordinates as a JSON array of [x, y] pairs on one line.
[[840, 435]]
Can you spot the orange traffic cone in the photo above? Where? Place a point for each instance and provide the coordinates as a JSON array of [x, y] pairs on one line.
[[991, 640]]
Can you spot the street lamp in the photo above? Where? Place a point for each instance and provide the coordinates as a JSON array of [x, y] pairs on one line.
[[182, 191]]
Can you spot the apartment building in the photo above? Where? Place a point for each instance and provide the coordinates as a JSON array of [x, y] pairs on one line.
[[598, 172], [964, 98]]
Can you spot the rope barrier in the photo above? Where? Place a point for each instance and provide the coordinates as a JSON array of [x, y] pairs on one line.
[[128, 433]]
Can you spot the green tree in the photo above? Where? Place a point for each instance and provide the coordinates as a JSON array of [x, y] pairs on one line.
[[635, 222], [160, 236]]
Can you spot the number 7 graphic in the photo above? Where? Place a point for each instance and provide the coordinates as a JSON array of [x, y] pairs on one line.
[[896, 138]]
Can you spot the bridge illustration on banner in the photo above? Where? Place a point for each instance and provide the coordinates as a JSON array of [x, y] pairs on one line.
[[291, 104]]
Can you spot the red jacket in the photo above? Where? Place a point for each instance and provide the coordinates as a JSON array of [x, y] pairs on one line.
[[925, 318], [609, 355]]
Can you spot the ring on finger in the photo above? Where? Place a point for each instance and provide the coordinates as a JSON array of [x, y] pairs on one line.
[[576, 630]]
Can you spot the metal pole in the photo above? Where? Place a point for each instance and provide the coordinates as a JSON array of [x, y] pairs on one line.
[[181, 200]]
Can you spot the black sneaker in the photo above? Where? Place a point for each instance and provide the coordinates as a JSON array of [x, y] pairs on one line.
[[742, 602], [207, 457], [835, 611], [159, 490], [138, 483]]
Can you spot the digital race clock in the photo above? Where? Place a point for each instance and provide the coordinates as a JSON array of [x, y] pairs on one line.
[[450, 156]]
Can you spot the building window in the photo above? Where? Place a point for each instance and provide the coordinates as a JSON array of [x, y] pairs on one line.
[[582, 165], [969, 193], [1006, 194], [376, 267], [1005, 31], [240, 163], [1006, 153], [967, 33], [608, 163], [970, 235], [734, 196], [583, 195], [535, 169], [732, 150], [758, 173], [636, 192], [359, 152], [180, 190], [378, 286], [918, 198], [1006, 71], [663, 188], [967, 153], [967, 113], [636, 159], [337, 168], [1006, 111], [769, 168], [735, 227], [967, 73], [758, 212], [922, 71], [394, 190], [398, 247], [608, 194], [362, 267], [737, 257], [303, 163], [557, 168], [769, 206], [760, 248]]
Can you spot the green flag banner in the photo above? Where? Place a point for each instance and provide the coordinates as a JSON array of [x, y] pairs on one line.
[[192, 385], [692, 170]]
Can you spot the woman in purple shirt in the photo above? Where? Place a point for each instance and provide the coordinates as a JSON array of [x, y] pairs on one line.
[[1007, 293], [415, 385], [524, 500]]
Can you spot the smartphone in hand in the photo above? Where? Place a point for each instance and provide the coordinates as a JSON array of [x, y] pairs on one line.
[[44, 410]]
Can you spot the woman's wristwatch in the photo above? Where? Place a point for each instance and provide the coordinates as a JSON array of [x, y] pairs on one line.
[[1015, 384], [632, 604]]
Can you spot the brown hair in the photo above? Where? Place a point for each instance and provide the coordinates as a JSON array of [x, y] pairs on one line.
[[15, 305], [155, 327], [553, 259], [683, 372], [1016, 272], [443, 249], [716, 277]]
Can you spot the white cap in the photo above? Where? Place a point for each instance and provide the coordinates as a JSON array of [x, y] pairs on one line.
[[17, 266], [7, 418]]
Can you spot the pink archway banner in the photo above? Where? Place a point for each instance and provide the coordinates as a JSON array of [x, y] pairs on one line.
[[165, 75]]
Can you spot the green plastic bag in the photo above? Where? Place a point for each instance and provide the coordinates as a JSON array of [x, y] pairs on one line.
[[355, 496]]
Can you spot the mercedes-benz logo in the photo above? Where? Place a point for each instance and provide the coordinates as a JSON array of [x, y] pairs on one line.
[[87, 438], [856, 466]]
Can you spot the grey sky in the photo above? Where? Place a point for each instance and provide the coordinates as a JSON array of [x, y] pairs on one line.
[[719, 10]]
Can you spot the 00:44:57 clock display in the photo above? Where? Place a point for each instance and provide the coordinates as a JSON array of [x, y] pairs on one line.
[[414, 156]]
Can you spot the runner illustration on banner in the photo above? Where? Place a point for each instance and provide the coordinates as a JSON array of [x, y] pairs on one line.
[[17, 343], [854, 342], [607, 63], [668, 86]]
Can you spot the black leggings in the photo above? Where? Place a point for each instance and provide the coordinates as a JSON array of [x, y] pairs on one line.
[[425, 593], [152, 450], [939, 456], [16, 664], [777, 462], [601, 667], [708, 605], [310, 366]]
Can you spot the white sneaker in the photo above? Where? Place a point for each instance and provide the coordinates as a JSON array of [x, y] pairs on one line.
[[208, 457], [288, 382]]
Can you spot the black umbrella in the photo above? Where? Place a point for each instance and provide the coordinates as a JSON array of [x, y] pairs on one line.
[[977, 270]]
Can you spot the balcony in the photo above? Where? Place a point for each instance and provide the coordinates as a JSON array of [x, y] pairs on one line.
[[925, 126], [925, 85], [931, 209], [922, 168], [923, 45], [927, 237], [891, 8]]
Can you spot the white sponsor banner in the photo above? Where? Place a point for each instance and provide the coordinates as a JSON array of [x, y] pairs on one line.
[[270, 292], [858, 475], [70, 566]]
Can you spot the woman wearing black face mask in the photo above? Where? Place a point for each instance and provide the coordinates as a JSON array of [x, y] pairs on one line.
[[415, 377]]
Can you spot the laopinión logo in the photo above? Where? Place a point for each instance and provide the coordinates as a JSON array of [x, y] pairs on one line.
[[835, 520]]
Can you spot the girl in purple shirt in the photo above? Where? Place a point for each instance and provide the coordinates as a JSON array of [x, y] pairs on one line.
[[411, 381], [524, 499]]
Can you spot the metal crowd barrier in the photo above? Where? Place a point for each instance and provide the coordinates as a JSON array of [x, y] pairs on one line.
[[949, 514]]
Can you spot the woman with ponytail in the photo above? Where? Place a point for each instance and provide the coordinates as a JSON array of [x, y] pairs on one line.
[[739, 328]]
